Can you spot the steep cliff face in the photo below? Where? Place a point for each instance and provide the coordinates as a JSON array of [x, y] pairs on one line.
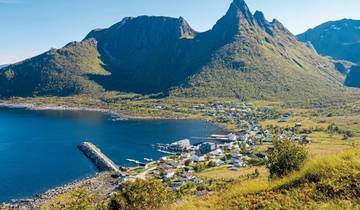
[[144, 54]]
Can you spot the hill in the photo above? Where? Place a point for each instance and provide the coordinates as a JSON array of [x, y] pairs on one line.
[[57, 72], [338, 39], [243, 56]]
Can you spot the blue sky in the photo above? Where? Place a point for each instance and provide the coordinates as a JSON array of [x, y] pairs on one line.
[[30, 27]]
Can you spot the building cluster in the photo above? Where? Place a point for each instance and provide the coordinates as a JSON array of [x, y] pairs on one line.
[[183, 160]]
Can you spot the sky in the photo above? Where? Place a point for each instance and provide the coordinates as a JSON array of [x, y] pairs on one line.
[[31, 27]]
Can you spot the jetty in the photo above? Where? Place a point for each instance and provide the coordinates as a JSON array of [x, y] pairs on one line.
[[101, 161]]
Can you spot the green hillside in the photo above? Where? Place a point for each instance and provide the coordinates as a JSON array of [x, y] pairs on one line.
[[57, 72], [262, 60]]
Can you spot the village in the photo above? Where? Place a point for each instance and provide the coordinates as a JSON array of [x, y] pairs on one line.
[[182, 160]]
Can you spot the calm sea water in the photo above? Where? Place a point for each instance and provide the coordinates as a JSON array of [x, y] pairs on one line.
[[38, 148]]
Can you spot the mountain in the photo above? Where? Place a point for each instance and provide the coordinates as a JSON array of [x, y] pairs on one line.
[[144, 54], [338, 39], [243, 56], [59, 72], [255, 58], [3, 66]]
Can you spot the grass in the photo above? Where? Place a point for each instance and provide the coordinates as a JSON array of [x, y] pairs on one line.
[[330, 181], [76, 199], [225, 172]]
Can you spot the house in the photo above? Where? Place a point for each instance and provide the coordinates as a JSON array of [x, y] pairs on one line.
[[185, 155], [298, 124], [238, 164], [168, 175], [197, 159], [231, 137], [180, 146], [284, 118], [206, 147], [216, 152], [305, 139], [244, 137], [163, 159], [267, 140]]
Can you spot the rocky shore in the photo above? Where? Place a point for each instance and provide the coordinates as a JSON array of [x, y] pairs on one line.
[[102, 184], [37, 107]]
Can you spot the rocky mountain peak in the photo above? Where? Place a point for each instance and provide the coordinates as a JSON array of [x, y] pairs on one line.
[[260, 18], [185, 29], [239, 9], [262, 22]]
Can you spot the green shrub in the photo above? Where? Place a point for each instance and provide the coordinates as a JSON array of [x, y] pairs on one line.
[[199, 167], [77, 199], [286, 158], [188, 188]]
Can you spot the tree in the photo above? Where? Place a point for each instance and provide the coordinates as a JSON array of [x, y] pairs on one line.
[[286, 158], [115, 202]]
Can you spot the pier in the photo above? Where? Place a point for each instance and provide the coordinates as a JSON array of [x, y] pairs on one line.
[[101, 161]]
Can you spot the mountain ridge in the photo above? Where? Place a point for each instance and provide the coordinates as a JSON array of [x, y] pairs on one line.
[[339, 39], [243, 56]]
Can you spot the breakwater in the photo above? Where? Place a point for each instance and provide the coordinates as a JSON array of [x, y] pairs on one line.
[[101, 161]]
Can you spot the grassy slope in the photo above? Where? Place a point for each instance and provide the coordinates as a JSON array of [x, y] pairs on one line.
[[56, 72], [327, 182]]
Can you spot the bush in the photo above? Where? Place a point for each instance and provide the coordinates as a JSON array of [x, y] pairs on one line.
[[188, 188], [199, 167], [187, 162], [286, 158], [333, 129], [211, 164], [77, 199], [141, 195]]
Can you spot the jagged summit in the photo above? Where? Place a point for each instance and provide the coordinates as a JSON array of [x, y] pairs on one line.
[[240, 3], [260, 17], [262, 22], [239, 10]]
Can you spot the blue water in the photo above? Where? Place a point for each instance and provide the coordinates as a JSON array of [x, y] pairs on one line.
[[38, 148]]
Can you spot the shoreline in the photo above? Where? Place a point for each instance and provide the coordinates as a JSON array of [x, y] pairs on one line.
[[115, 114], [92, 183], [34, 107]]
